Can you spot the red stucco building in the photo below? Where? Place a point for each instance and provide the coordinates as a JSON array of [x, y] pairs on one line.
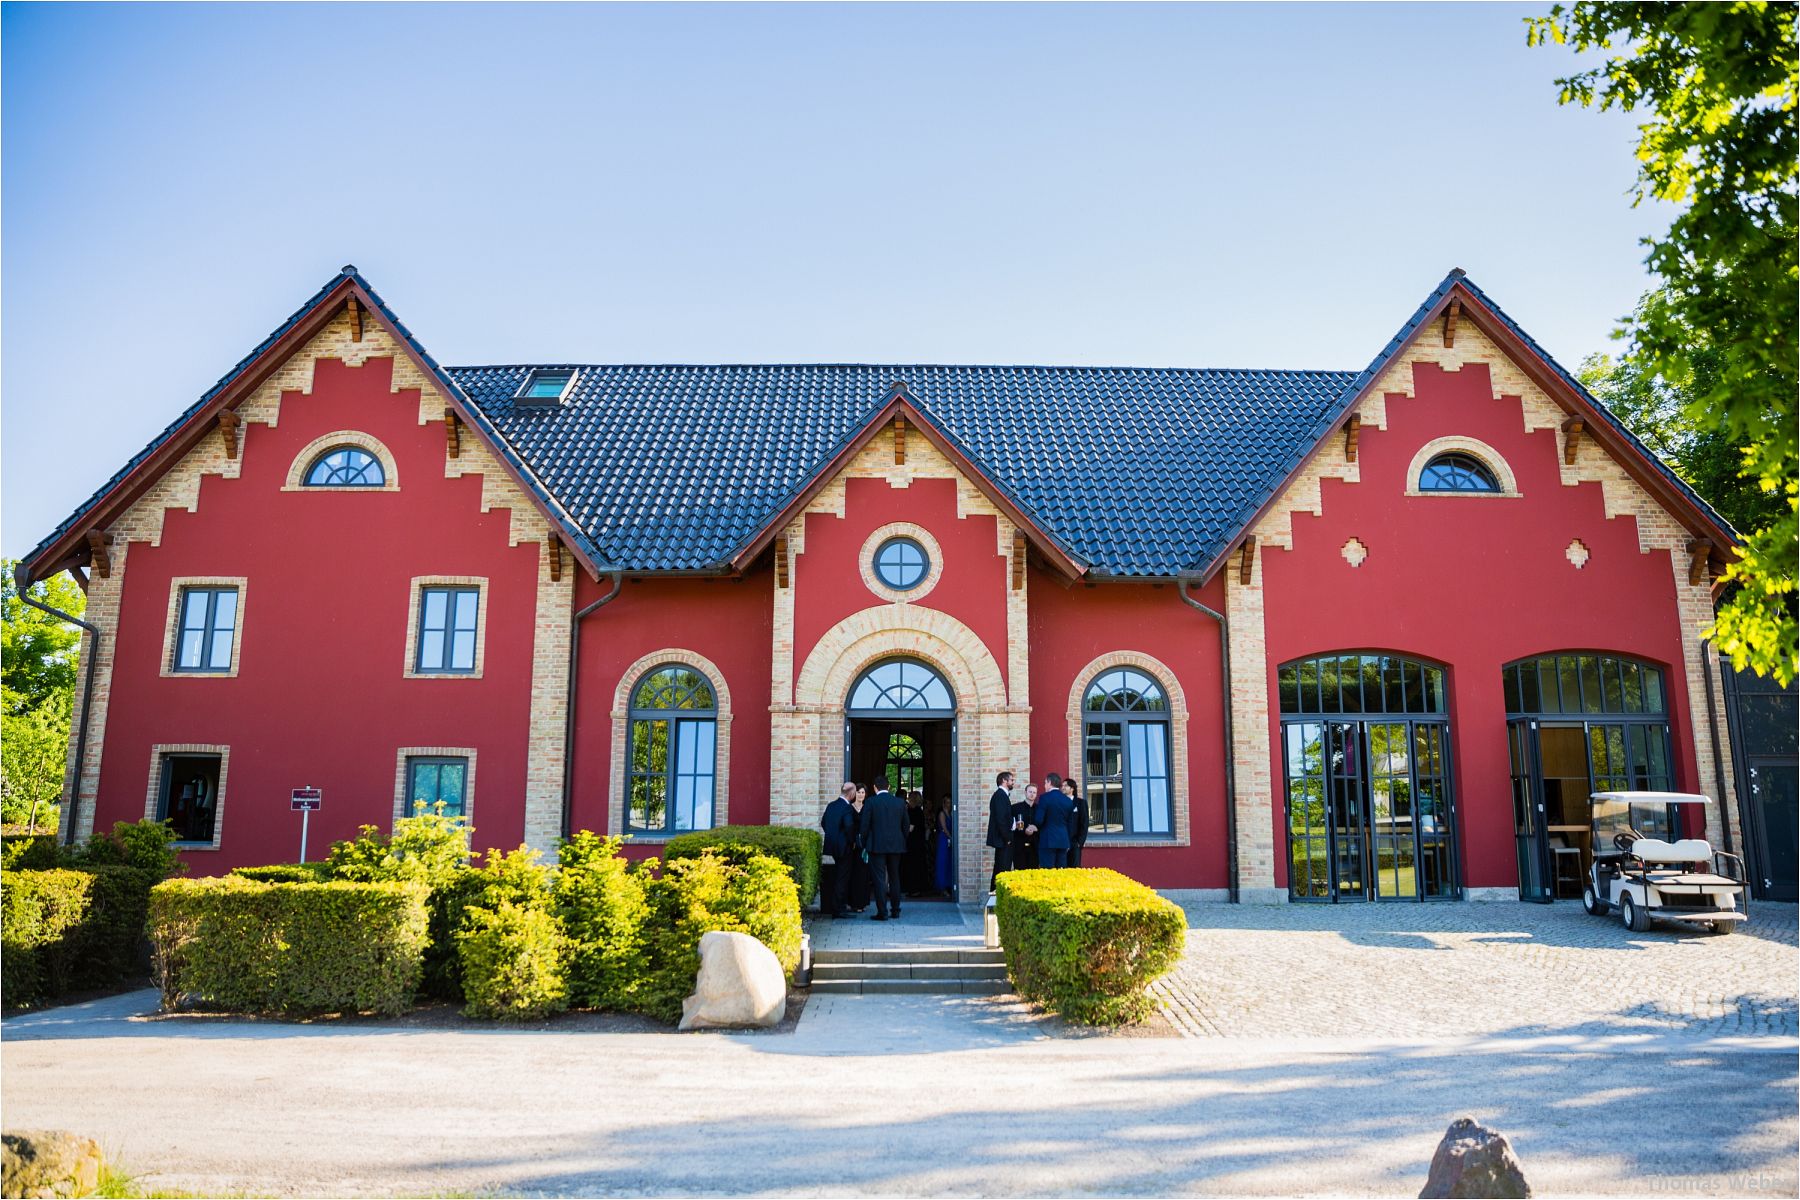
[[1301, 634]]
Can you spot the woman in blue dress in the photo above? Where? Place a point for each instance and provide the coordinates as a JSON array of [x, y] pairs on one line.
[[944, 875]]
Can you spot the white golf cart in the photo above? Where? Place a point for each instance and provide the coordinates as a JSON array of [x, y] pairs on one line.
[[1644, 872]]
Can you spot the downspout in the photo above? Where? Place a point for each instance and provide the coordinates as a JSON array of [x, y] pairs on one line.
[[1231, 846], [1712, 727], [23, 580], [568, 795]]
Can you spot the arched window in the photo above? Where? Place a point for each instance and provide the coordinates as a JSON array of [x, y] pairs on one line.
[[1457, 472], [673, 755], [902, 685], [1125, 745], [346, 466]]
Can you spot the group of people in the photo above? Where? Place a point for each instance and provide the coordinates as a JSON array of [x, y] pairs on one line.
[[883, 847], [1035, 828]]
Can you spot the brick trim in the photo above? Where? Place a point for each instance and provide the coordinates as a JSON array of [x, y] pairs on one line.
[[616, 807], [406, 752], [421, 582], [934, 565], [310, 453], [157, 752], [171, 626], [1490, 458], [1180, 791]]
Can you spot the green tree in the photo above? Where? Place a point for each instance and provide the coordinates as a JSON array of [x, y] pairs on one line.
[[1720, 85], [37, 652], [34, 746]]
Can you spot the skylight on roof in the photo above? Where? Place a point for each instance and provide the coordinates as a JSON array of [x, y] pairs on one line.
[[545, 387]]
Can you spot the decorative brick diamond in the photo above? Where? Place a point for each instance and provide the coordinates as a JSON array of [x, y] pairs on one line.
[[1577, 553], [1355, 552]]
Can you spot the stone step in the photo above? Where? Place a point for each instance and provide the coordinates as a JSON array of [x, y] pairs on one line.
[[911, 987], [918, 955], [909, 971]]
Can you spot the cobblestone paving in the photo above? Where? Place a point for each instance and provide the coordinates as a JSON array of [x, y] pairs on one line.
[[1476, 970]]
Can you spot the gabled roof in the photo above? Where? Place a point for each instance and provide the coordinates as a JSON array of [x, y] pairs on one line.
[[65, 546], [1122, 471], [1625, 447]]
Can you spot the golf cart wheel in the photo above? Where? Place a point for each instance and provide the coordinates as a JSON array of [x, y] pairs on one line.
[[1721, 928], [1632, 914], [1591, 902]]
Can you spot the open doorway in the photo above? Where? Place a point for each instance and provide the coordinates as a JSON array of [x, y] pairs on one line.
[[915, 757]]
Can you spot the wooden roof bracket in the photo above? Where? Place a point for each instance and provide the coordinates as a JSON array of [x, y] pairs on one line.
[[228, 428], [554, 546], [1352, 429], [97, 551], [356, 318], [452, 433], [899, 439], [1450, 319], [781, 560], [1700, 551], [1572, 439], [1246, 561], [1018, 559]]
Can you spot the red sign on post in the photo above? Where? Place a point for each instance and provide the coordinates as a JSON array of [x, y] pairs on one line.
[[306, 799]]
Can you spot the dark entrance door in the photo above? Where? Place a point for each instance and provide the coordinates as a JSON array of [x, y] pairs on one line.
[[1766, 749], [900, 723], [1774, 829], [1533, 844]]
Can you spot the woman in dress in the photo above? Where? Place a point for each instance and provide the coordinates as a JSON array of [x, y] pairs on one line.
[[944, 872], [860, 886]]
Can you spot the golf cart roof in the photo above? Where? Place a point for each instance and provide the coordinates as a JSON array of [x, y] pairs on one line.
[[1649, 798]]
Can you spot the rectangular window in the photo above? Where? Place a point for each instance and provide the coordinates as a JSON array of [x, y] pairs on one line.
[[188, 798], [448, 621], [672, 792], [544, 387], [434, 781], [1128, 774], [207, 626]]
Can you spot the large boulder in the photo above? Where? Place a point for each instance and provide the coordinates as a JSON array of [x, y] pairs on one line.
[[1474, 1161], [741, 983], [47, 1163]]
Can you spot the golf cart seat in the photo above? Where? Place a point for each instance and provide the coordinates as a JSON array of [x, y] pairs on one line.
[[1687, 850]]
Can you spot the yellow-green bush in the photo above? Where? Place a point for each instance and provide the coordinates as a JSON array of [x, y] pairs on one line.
[[801, 849], [601, 903], [67, 930], [429, 847], [242, 946], [729, 888], [312, 872], [512, 962], [1087, 942]]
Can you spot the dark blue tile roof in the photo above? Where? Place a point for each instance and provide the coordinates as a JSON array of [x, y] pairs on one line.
[[1135, 471]]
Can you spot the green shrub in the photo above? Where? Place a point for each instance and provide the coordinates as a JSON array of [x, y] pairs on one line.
[[145, 845], [601, 903], [429, 848], [1086, 943], [801, 849], [68, 930], [512, 962], [312, 872], [29, 852], [731, 888], [235, 944]]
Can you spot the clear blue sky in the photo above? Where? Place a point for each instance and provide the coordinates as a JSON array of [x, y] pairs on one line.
[[1233, 185]]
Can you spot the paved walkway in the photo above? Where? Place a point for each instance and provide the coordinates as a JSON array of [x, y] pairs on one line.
[[937, 924], [1476, 970]]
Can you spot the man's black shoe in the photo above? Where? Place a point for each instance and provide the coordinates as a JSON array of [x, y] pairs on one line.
[[878, 917]]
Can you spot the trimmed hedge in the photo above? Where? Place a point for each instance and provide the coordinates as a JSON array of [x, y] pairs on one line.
[[29, 852], [801, 849], [312, 872], [508, 943], [601, 903], [236, 944], [67, 929], [1087, 942], [429, 848], [730, 887]]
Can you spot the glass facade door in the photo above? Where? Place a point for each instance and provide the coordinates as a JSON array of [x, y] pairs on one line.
[[1369, 805], [1528, 812]]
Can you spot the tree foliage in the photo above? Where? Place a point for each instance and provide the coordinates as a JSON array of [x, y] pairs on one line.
[[1718, 84], [38, 658]]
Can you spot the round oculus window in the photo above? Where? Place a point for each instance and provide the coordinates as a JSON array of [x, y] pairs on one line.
[[901, 563]]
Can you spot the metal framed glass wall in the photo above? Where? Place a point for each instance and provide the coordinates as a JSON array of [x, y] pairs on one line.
[[1578, 723], [1366, 752]]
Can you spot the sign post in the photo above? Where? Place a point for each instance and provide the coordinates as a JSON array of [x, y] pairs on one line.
[[305, 801]]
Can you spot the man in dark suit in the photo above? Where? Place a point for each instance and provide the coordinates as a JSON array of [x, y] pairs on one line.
[[839, 824], [884, 837], [1000, 825], [1079, 841], [1056, 823], [1025, 829]]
